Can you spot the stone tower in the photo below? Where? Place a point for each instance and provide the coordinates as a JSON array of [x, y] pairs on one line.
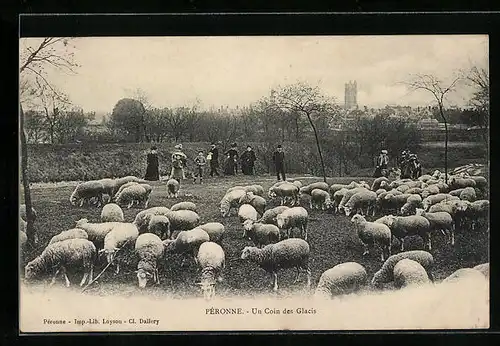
[[351, 93]]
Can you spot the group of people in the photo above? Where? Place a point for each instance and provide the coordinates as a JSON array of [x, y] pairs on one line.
[[408, 164], [179, 162]]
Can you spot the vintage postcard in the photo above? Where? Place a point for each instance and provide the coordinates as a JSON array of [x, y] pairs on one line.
[[244, 183]]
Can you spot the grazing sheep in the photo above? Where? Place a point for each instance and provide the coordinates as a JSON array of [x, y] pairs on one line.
[[456, 209], [342, 279], [135, 194], [149, 248], [424, 178], [288, 253], [73, 233], [371, 233], [430, 190], [412, 203], [96, 231], [173, 187], [109, 187], [408, 272], [393, 202], [215, 231], [187, 242], [230, 200], [212, 260], [129, 178], [121, 235], [464, 274], [386, 273], [320, 199], [183, 220], [160, 226], [318, 185], [287, 193], [457, 183], [261, 234], [484, 269], [22, 212], [440, 221], [468, 194], [481, 182], [122, 187], [415, 191], [477, 211], [70, 253], [337, 198], [112, 212], [377, 182], [256, 201], [85, 191], [293, 217], [238, 187], [257, 190], [403, 188], [361, 201], [184, 206], [142, 218], [247, 212], [347, 196], [335, 187], [269, 216], [434, 199], [403, 226], [456, 192]]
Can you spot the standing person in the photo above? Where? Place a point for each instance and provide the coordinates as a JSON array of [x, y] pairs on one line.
[[382, 163], [179, 160], [279, 162], [232, 159], [247, 161], [214, 160], [152, 171], [200, 163]]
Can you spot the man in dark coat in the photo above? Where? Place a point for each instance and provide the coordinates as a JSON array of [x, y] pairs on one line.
[[214, 160], [152, 171], [279, 162], [231, 160], [247, 161]]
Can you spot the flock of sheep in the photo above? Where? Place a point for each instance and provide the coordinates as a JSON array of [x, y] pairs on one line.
[[423, 207]]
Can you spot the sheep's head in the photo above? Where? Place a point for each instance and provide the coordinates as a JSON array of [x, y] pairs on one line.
[[358, 218], [383, 184], [247, 226], [389, 220], [248, 251], [364, 184], [81, 222], [143, 277], [420, 212], [347, 210], [280, 220], [224, 207], [208, 288]]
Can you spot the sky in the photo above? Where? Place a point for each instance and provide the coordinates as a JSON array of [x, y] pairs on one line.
[[236, 71]]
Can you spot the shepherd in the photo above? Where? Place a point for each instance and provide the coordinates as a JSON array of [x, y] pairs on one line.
[[152, 171], [247, 161], [382, 163]]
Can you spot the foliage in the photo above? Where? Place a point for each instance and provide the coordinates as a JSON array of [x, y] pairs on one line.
[[127, 119]]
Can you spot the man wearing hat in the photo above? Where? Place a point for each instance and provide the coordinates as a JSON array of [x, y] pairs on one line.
[[231, 160], [279, 162], [247, 161], [382, 163], [214, 159]]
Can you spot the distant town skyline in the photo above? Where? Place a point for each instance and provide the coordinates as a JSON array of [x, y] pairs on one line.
[[237, 71]]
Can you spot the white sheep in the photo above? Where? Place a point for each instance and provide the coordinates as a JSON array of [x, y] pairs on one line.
[[286, 192], [430, 190], [96, 231], [336, 187], [457, 183], [408, 272], [73, 233], [477, 211], [318, 185], [160, 226], [230, 200], [183, 220], [386, 273], [212, 260], [293, 217], [484, 269], [413, 202], [288, 253], [364, 200], [440, 221], [122, 187], [269, 216], [173, 187], [403, 226], [424, 178], [87, 190], [434, 199], [256, 201], [342, 279], [371, 233], [149, 249], [109, 187], [70, 253], [347, 196], [257, 190], [337, 198], [320, 199], [261, 234], [112, 212], [456, 192], [392, 202], [247, 212], [377, 183], [468, 194], [121, 235], [215, 231], [481, 182], [22, 212], [187, 242], [142, 218], [464, 274], [124, 180], [184, 206], [135, 194]]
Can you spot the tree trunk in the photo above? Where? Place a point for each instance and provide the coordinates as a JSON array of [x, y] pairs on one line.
[[445, 144], [319, 147], [30, 230]]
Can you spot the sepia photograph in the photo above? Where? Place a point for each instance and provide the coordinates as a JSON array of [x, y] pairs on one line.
[[254, 183]]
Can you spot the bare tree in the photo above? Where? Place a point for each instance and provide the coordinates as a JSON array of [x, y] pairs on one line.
[[439, 91], [301, 98], [479, 79], [36, 57]]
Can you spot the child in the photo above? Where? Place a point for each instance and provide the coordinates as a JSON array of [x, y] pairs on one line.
[[200, 161]]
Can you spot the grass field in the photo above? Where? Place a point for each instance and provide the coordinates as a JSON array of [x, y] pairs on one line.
[[332, 238]]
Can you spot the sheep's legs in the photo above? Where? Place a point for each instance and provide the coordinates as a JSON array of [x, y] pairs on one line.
[[91, 273], [308, 277], [65, 277], [275, 287], [85, 275], [53, 281], [452, 237], [366, 249], [297, 276], [429, 241], [402, 241]]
